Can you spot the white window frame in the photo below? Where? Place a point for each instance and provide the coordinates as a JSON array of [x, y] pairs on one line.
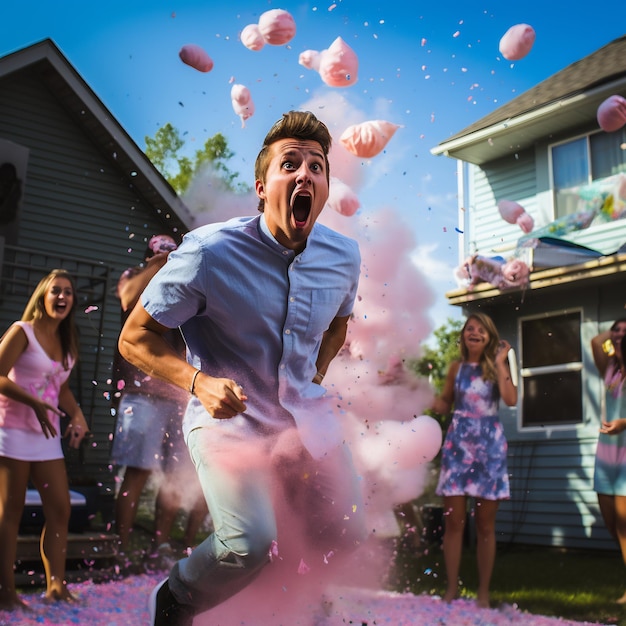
[[527, 372], [590, 175]]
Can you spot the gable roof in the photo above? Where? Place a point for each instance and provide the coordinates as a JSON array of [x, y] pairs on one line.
[[568, 97], [50, 66]]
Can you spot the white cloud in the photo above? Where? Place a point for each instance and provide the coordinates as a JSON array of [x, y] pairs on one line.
[[434, 267]]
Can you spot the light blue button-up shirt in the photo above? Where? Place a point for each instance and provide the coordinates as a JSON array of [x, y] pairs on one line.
[[254, 311]]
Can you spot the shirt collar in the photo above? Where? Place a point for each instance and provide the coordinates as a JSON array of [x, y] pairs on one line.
[[270, 240]]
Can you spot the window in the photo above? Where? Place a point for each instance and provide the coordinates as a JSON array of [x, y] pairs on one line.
[[582, 161], [551, 370]]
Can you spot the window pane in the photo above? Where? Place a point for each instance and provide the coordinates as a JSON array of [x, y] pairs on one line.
[[550, 399], [570, 164], [551, 340], [608, 154], [570, 169]]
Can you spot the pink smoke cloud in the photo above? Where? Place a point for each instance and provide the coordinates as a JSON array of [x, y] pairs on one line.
[[342, 199]]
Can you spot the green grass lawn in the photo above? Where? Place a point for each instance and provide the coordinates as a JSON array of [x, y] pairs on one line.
[[572, 584]]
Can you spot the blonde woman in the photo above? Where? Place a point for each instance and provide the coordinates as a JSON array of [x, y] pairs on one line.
[[473, 462], [36, 357]]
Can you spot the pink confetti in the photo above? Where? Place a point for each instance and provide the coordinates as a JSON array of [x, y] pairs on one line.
[[517, 42], [303, 568], [196, 57], [91, 309]]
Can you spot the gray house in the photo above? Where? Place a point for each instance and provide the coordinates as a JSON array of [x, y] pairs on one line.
[[75, 192], [545, 151]]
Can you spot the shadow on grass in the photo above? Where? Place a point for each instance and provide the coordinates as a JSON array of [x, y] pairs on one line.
[[572, 584]]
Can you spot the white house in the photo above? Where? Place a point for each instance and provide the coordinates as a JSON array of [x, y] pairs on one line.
[[545, 151]]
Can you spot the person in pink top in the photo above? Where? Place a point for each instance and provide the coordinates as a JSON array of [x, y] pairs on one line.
[[37, 355]]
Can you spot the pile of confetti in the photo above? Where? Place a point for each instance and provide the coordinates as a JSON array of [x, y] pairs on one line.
[[125, 603]]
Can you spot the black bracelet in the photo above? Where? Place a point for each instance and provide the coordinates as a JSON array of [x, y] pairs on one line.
[[193, 382]]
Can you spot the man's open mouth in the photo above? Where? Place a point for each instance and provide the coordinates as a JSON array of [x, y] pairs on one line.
[[301, 209]]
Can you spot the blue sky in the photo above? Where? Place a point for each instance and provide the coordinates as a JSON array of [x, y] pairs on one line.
[[432, 68]]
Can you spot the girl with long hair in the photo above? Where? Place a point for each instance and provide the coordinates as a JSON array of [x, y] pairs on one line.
[[37, 354], [473, 461]]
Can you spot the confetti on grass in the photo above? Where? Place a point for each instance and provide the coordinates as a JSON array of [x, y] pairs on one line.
[[124, 603]]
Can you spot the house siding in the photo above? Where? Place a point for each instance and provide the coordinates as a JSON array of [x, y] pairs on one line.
[[490, 234], [80, 212], [552, 499], [551, 469]]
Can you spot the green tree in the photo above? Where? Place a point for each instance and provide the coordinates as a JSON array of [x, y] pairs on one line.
[[435, 361], [164, 150]]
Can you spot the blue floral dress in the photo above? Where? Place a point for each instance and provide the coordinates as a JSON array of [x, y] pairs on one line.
[[473, 457]]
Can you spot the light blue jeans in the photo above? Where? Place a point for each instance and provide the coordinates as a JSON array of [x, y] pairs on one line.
[[239, 489]]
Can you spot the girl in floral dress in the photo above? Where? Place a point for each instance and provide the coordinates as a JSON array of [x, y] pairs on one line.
[[473, 461]]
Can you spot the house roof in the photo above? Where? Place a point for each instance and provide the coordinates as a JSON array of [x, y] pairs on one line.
[[47, 62], [567, 98]]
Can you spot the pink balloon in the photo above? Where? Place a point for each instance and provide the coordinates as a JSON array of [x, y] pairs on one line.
[[517, 42], [277, 27], [342, 199], [514, 213], [196, 57], [310, 59], [339, 65], [366, 140], [251, 37], [510, 210], [526, 222], [612, 114], [242, 102]]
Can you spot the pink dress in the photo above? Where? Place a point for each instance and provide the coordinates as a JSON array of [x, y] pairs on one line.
[[21, 436]]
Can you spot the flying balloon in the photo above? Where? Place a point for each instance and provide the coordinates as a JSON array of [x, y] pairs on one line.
[[196, 57], [251, 37], [242, 102], [277, 27], [366, 140], [514, 213], [338, 66], [517, 42], [612, 114]]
